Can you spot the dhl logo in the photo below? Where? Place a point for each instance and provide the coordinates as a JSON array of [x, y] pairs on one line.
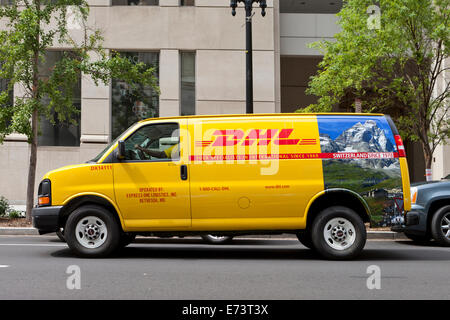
[[226, 138]]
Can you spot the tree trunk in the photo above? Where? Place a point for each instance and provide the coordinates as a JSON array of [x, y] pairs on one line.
[[358, 105], [428, 156], [34, 127], [32, 165]]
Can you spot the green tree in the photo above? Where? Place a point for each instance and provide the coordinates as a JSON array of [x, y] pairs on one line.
[[391, 56], [29, 29]]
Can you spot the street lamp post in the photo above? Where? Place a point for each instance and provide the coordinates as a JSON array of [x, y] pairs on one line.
[[249, 47]]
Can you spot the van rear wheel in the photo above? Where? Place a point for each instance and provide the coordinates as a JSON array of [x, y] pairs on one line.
[[338, 233], [91, 231]]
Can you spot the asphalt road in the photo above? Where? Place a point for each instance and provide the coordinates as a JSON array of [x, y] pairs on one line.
[[34, 267]]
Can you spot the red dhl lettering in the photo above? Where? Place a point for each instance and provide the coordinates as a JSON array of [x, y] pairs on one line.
[[282, 156], [262, 137]]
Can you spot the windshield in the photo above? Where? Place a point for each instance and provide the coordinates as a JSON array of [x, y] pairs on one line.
[[100, 155]]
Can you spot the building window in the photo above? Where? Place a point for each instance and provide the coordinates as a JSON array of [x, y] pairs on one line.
[[310, 6], [4, 86], [131, 105], [7, 2], [135, 2], [56, 132], [187, 83], [187, 3]]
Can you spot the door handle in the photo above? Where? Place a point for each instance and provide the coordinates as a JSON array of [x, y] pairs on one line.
[[183, 172]]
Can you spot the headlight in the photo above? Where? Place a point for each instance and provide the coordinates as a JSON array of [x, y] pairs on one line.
[[414, 193], [44, 193]]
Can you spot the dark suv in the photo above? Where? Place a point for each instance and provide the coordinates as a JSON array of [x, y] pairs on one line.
[[431, 207]]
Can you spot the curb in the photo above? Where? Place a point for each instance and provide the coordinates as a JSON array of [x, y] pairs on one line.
[[386, 235], [371, 235], [5, 231]]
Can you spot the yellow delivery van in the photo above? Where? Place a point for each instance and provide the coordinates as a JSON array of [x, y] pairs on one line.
[[318, 176]]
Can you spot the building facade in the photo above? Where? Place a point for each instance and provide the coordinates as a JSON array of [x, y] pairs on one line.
[[198, 50]]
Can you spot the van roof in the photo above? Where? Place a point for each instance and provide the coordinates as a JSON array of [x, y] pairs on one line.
[[264, 115]]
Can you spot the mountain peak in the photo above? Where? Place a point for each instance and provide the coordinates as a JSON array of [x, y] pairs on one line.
[[361, 137], [367, 137]]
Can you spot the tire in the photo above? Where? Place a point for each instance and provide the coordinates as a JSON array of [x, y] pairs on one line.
[[92, 232], [216, 239], [60, 234], [440, 224], [305, 239], [338, 233], [126, 239], [417, 238]]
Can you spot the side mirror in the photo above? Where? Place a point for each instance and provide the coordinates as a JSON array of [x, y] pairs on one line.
[[121, 150]]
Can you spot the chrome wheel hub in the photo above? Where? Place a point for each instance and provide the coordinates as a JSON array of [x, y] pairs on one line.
[[91, 232], [445, 225], [339, 233]]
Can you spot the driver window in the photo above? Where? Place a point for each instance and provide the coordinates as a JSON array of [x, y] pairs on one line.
[[154, 142]]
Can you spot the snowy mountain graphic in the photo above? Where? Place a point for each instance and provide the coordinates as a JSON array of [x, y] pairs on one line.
[[362, 137]]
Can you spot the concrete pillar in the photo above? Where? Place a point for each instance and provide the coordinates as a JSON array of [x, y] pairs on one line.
[[169, 83], [441, 162], [95, 111], [277, 55], [441, 157]]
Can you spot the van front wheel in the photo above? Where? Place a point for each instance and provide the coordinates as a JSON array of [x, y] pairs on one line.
[[338, 233], [91, 231]]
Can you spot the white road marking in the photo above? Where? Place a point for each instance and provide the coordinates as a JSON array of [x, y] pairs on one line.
[[4, 266], [26, 236], [33, 244]]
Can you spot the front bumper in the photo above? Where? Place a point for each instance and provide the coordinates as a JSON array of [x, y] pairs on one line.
[[415, 221], [412, 218], [46, 219]]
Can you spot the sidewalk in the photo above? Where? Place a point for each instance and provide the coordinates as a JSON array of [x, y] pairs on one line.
[[371, 235]]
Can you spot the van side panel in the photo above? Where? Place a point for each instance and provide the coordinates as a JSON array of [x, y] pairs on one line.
[[360, 154], [253, 173]]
